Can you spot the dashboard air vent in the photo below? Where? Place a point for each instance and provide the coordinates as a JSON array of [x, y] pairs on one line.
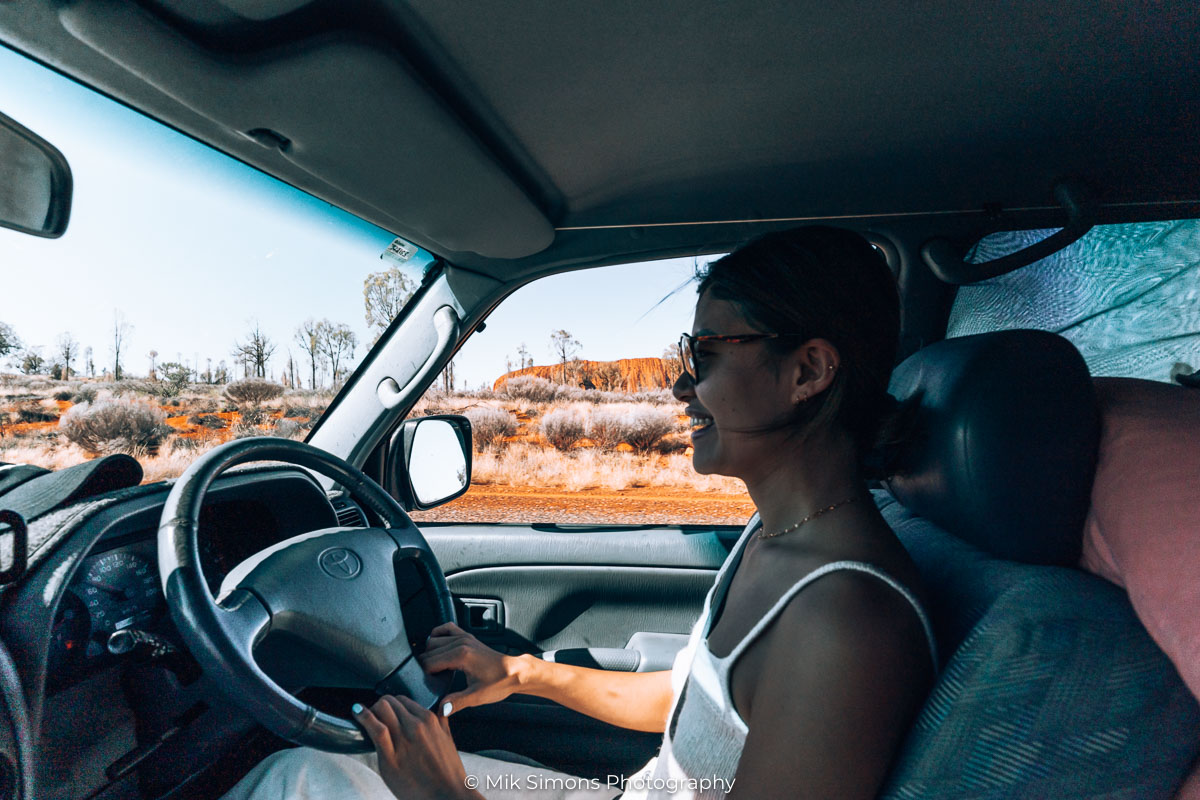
[[348, 514]]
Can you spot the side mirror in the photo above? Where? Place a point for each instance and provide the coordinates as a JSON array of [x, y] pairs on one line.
[[35, 182], [430, 461]]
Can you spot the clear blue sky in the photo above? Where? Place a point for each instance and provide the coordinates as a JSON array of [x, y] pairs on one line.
[[193, 248]]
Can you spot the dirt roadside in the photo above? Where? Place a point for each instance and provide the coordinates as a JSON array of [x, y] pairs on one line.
[[491, 503]]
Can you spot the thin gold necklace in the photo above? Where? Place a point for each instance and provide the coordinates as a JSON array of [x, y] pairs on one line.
[[810, 517]]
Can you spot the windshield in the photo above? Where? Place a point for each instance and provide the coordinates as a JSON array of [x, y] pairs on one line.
[[192, 298]]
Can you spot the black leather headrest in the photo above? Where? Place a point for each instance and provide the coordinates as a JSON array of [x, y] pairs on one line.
[[1006, 449]]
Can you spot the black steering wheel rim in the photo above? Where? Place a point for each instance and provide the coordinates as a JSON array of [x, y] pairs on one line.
[[221, 637]]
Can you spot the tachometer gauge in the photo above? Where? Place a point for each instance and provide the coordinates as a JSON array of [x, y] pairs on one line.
[[121, 591]]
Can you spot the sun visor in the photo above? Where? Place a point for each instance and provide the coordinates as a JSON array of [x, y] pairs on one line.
[[342, 119]]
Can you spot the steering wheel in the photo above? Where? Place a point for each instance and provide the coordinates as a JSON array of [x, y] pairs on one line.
[[340, 592]]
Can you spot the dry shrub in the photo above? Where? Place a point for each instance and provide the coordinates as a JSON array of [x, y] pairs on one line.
[[201, 405], [563, 427], [540, 390], [36, 411], [522, 464], [656, 396], [306, 405], [489, 426], [478, 394], [434, 401], [287, 429], [606, 427], [250, 416], [114, 426], [306, 413], [185, 443], [642, 426], [85, 394], [252, 391], [647, 426], [211, 421], [529, 387], [676, 442], [241, 430]]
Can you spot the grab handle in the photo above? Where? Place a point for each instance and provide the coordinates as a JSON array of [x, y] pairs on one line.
[[944, 258]]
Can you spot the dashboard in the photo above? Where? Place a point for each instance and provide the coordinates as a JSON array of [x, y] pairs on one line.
[[117, 587], [104, 576], [138, 714]]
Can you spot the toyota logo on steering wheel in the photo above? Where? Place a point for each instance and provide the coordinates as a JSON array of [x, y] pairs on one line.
[[340, 562]]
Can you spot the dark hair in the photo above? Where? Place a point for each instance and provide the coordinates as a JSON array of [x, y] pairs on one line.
[[828, 283]]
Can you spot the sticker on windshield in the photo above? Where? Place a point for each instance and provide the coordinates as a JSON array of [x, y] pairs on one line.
[[399, 251]]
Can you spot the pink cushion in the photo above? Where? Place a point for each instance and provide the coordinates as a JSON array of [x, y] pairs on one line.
[[1143, 529]]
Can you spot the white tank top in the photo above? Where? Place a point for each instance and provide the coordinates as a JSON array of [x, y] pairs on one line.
[[705, 734]]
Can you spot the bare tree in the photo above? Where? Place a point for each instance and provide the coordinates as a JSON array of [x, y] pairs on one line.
[[291, 370], [672, 361], [255, 351], [336, 341], [565, 346], [89, 366], [523, 356], [9, 340], [153, 354], [384, 296], [448, 377], [308, 336], [68, 351], [120, 332]]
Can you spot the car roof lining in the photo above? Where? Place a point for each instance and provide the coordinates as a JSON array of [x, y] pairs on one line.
[[515, 142]]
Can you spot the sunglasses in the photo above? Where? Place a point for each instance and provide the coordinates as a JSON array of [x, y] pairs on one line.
[[687, 346]]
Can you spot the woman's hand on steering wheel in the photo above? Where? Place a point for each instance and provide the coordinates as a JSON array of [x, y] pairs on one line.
[[491, 675], [417, 756]]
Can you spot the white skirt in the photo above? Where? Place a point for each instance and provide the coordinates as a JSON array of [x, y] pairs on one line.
[[305, 774]]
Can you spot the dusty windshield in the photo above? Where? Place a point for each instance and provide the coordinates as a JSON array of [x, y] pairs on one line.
[[191, 300]]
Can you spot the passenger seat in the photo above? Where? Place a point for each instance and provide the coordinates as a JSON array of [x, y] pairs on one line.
[[1051, 686]]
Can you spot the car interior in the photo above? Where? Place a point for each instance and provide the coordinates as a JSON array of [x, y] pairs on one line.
[[1059, 562]]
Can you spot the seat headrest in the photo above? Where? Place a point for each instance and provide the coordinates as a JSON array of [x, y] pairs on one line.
[[1008, 431]]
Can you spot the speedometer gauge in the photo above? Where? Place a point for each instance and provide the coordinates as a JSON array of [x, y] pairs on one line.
[[121, 591]]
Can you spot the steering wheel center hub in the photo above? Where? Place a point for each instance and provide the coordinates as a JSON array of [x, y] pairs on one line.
[[340, 562]]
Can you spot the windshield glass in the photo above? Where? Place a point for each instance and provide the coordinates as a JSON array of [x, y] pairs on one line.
[[192, 298]]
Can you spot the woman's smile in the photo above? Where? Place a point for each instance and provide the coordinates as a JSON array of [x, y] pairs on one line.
[[699, 421]]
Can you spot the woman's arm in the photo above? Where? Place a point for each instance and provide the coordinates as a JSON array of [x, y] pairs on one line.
[[836, 682], [636, 700]]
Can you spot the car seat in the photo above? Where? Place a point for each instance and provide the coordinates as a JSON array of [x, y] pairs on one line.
[[1051, 687]]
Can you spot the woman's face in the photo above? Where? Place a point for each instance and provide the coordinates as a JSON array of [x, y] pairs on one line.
[[738, 393]]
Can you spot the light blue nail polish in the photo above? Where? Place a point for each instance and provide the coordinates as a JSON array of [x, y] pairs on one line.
[[446, 709], [356, 708]]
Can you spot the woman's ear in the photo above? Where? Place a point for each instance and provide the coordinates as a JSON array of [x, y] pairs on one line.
[[816, 364]]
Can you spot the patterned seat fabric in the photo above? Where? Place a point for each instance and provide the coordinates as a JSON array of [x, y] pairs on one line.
[[1051, 688]]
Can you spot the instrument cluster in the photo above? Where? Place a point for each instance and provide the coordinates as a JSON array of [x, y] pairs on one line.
[[113, 590]]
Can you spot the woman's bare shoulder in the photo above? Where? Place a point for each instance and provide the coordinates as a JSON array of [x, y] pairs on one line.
[[848, 622]]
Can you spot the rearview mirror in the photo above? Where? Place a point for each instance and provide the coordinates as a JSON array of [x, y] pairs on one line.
[[35, 182], [430, 461]]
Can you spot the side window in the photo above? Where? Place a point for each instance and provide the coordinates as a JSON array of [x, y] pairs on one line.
[[568, 392], [1128, 296]]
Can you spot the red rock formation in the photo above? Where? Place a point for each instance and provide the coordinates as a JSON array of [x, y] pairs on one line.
[[622, 375]]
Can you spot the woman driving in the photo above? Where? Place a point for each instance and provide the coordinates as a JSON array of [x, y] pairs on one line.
[[812, 654]]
